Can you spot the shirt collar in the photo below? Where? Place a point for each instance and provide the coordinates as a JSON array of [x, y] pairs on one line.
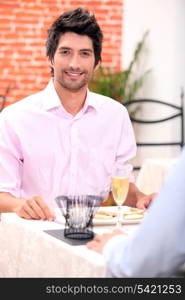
[[51, 99], [92, 100]]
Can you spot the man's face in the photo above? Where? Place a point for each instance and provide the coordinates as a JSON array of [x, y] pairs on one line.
[[74, 61]]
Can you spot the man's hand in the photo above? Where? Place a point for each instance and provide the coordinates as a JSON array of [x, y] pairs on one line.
[[136, 198], [34, 208], [144, 201], [99, 241]]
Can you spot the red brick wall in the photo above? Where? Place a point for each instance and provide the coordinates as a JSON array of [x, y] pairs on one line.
[[23, 26]]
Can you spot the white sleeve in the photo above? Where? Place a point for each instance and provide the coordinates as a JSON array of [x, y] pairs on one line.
[[157, 248], [10, 157]]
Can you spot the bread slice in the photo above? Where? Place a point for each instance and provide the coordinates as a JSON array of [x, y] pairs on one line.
[[106, 213], [102, 217], [133, 216], [133, 213]]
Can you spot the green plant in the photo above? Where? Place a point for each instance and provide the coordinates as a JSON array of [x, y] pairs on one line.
[[121, 85]]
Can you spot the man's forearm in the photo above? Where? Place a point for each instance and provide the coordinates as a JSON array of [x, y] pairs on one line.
[[134, 194], [8, 202]]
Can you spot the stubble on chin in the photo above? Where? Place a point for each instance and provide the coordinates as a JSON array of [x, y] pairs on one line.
[[72, 85]]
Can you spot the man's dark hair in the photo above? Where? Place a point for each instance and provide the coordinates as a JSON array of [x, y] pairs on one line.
[[79, 21]]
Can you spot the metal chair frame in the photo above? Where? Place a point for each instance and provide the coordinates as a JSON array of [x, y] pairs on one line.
[[178, 114]]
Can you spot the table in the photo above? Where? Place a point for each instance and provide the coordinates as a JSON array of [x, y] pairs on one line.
[[27, 251], [153, 173]]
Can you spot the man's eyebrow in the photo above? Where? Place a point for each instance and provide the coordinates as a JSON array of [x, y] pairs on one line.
[[62, 48], [68, 48], [86, 49]]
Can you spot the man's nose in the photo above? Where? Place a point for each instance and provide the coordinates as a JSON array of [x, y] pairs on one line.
[[74, 61]]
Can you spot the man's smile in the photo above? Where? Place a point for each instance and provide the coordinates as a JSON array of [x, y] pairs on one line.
[[73, 74]]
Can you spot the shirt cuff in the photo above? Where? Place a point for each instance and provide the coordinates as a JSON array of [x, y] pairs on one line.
[[113, 244]]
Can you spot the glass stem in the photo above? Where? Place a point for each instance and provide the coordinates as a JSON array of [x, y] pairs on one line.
[[119, 218]]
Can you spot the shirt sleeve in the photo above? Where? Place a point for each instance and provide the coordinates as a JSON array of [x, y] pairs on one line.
[[10, 158], [126, 149], [157, 248]]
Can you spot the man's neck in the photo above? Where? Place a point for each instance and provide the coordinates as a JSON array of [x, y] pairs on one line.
[[71, 101]]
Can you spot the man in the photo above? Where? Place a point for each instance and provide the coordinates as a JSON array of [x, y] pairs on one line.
[[64, 139], [157, 249]]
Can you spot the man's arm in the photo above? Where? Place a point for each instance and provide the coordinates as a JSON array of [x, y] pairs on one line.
[[8, 202], [136, 198], [31, 208], [158, 246], [10, 176]]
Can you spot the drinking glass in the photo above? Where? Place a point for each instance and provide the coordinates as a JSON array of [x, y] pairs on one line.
[[120, 186]]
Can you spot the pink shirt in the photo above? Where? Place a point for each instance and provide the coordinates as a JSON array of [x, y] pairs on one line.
[[45, 150]]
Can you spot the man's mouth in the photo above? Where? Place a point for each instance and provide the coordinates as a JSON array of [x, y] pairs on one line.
[[73, 74]]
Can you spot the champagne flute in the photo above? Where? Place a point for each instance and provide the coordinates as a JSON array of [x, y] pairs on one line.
[[120, 186]]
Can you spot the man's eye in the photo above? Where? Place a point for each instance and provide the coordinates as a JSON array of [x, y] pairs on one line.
[[64, 52], [85, 53]]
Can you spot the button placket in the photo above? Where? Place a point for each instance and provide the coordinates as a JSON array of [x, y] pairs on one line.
[[73, 162]]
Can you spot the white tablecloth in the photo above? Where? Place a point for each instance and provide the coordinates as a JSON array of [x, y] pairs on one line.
[[153, 173], [27, 251]]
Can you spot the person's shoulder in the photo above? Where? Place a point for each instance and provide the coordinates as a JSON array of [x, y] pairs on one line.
[[28, 103], [108, 102]]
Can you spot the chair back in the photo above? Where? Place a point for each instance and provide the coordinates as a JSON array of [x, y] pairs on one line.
[[178, 113]]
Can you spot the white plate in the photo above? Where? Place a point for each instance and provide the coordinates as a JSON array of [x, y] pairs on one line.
[[60, 219], [113, 220]]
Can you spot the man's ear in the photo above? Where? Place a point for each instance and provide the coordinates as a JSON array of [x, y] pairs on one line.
[[97, 66], [50, 62]]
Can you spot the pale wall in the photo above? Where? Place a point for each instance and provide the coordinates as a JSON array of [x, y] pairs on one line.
[[164, 54]]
